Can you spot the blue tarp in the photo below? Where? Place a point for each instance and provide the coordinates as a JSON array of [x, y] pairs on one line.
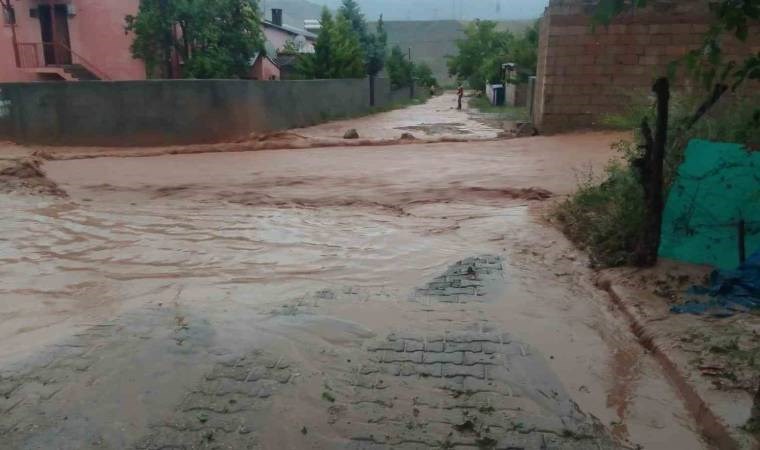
[[730, 291]]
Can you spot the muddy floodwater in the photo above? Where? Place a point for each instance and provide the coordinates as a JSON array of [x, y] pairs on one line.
[[405, 296]]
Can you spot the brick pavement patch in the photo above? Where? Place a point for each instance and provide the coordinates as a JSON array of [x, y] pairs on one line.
[[467, 279], [220, 412], [462, 390]]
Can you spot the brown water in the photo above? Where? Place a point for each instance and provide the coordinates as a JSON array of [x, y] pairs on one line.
[[438, 117], [159, 268]]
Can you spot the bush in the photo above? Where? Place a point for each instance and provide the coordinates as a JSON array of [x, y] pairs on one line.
[[605, 218]]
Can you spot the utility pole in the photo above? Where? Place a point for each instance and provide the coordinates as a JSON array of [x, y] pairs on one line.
[[411, 75]]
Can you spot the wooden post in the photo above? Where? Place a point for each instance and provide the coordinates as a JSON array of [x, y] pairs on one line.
[[742, 237], [652, 178]]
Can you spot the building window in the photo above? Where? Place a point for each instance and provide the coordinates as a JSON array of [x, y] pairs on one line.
[[9, 16]]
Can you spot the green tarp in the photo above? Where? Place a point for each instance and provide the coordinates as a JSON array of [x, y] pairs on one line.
[[717, 185]]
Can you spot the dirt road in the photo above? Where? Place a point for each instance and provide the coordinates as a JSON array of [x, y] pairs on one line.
[[405, 296]]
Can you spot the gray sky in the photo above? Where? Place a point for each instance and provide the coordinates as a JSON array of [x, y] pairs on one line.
[[447, 9]]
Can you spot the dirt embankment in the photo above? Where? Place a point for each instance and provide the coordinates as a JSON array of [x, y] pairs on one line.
[[25, 175], [256, 142]]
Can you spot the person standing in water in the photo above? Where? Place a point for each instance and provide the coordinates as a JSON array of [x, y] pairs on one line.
[[460, 94]]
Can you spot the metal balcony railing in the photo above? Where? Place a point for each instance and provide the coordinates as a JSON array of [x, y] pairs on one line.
[[38, 55]]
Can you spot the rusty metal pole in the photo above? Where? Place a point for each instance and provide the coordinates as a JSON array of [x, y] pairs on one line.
[[6, 4], [53, 40]]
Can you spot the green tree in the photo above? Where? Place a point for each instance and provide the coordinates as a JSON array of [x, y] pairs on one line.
[[352, 12], [400, 69], [376, 49], [337, 52], [484, 49], [348, 59], [318, 64], [374, 45], [212, 38], [423, 74]]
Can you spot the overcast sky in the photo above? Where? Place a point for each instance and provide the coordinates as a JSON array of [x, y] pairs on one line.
[[448, 9]]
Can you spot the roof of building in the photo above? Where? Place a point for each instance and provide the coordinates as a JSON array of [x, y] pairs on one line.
[[263, 55], [286, 60], [291, 30]]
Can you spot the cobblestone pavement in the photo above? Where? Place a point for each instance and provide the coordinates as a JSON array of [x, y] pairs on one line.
[[471, 386], [466, 279], [465, 390], [223, 410]]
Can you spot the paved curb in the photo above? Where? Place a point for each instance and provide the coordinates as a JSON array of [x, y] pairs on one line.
[[710, 425]]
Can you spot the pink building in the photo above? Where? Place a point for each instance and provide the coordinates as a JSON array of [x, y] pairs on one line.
[[264, 68], [277, 35], [67, 40], [42, 40]]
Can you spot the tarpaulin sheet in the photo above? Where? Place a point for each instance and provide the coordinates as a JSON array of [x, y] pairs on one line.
[[717, 185], [729, 291]]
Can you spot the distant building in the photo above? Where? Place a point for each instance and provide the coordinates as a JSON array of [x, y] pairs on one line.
[[265, 68], [283, 44], [278, 35], [67, 40], [312, 26]]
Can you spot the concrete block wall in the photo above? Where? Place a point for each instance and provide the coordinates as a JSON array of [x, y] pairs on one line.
[[172, 112], [585, 74]]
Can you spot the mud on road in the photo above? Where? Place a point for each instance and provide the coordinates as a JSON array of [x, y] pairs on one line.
[[403, 296]]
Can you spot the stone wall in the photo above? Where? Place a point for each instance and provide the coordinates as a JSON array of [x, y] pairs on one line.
[[585, 74], [168, 112]]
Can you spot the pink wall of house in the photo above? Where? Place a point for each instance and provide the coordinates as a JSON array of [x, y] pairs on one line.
[[27, 30], [278, 38], [96, 34], [265, 69]]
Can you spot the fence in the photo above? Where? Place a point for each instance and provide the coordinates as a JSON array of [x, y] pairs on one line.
[[170, 112]]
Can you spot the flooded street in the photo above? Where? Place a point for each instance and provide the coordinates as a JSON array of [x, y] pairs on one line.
[[403, 296]]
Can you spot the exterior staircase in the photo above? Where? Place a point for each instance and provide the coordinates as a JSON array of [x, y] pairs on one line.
[[78, 72], [35, 57]]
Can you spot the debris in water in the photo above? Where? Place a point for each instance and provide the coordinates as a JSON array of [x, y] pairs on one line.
[[351, 134]]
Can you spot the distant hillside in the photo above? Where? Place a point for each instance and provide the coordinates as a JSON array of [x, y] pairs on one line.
[[447, 9], [433, 41]]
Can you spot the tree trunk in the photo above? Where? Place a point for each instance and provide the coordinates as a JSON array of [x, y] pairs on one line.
[[651, 170]]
